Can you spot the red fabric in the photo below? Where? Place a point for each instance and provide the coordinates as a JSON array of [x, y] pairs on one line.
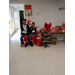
[[53, 29], [38, 42], [28, 7], [62, 28], [32, 38], [25, 38], [47, 26], [57, 28], [28, 21], [50, 24]]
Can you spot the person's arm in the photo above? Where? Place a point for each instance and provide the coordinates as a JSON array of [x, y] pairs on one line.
[[34, 31], [21, 29], [28, 29]]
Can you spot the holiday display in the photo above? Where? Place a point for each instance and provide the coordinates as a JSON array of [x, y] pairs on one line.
[[46, 35], [40, 36], [37, 28], [61, 29], [28, 22], [57, 28], [42, 30], [53, 29], [39, 39], [53, 41]]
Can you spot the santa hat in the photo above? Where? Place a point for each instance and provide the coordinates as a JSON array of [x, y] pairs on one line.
[[37, 27], [28, 21]]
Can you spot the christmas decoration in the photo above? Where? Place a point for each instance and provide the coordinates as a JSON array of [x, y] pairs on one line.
[[46, 35], [40, 35], [37, 29], [39, 39], [28, 22], [42, 30], [38, 42], [53, 29]]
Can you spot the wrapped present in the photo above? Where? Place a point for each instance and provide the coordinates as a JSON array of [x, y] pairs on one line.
[[53, 29], [61, 27], [57, 28]]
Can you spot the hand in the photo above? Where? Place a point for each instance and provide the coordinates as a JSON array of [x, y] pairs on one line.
[[24, 32], [31, 28]]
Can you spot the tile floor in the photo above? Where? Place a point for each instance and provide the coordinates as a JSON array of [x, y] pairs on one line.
[[36, 60]]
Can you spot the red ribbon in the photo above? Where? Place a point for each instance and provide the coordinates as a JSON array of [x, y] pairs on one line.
[[47, 26]]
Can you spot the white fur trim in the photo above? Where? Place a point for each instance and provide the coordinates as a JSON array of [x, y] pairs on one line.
[[29, 22], [25, 42], [38, 38], [32, 41]]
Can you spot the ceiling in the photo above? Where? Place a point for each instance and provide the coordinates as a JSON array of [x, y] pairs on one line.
[[16, 4]]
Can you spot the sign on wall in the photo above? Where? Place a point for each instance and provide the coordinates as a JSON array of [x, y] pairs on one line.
[[28, 10], [61, 8]]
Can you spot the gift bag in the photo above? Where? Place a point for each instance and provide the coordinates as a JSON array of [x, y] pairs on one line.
[[53, 29]]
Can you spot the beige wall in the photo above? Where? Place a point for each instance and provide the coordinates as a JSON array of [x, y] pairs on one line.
[[48, 9], [49, 12]]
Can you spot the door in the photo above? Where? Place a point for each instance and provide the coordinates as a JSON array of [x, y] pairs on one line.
[[16, 19], [21, 12]]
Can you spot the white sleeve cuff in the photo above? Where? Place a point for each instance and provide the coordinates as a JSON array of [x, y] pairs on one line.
[[33, 31], [24, 31]]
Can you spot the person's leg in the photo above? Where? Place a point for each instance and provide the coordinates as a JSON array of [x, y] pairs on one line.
[[32, 40], [30, 36], [21, 38]]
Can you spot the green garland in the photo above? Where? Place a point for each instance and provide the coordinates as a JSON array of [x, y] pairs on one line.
[[46, 38]]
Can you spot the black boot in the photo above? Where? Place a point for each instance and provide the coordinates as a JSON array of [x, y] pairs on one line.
[[26, 44], [31, 43]]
